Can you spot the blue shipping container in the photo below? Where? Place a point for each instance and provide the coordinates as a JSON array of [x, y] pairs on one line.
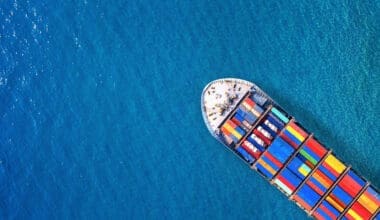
[[341, 195], [308, 195], [246, 155], [294, 165], [239, 117], [327, 172], [290, 177], [262, 170], [291, 137], [272, 119]]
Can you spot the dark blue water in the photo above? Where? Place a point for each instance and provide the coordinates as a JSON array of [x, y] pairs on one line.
[[100, 102]]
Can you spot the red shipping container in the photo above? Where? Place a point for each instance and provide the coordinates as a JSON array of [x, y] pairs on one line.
[[249, 102], [286, 183], [316, 147], [231, 123], [309, 164], [318, 216], [337, 200], [315, 187], [262, 137], [327, 211], [225, 131], [329, 182], [273, 159], [302, 203], [237, 122], [298, 129], [246, 148], [350, 185], [360, 210], [287, 139]]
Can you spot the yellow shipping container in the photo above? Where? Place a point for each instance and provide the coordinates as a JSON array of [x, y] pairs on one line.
[[334, 163], [266, 166], [354, 215], [232, 130], [295, 133], [335, 204], [370, 205], [304, 170]]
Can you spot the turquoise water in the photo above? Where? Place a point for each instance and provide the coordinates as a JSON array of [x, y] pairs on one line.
[[100, 102]]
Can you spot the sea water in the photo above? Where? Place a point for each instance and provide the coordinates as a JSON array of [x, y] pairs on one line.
[[100, 102]]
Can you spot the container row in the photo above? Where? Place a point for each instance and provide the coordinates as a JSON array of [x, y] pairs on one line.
[[260, 138]]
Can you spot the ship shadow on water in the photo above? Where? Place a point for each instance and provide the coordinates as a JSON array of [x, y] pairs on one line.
[[342, 149]]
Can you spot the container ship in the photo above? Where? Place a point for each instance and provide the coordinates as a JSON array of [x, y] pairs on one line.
[[273, 143]]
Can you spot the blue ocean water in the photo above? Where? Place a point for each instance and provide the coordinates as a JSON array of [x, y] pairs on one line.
[[100, 102]]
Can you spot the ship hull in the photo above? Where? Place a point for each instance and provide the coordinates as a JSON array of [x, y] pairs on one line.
[[272, 142]]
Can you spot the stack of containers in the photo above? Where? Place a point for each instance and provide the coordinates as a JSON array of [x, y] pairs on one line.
[[294, 135], [320, 181], [341, 196], [274, 123], [266, 131], [233, 131], [240, 121], [301, 165], [274, 158], [249, 110], [291, 176], [245, 155], [256, 143], [280, 115], [278, 152], [251, 149], [365, 206]]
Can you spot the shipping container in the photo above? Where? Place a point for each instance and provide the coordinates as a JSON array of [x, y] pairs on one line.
[[264, 168], [289, 157], [326, 211], [288, 180], [280, 149], [319, 182], [245, 155], [340, 196], [357, 211], [352, 183], [307, 196], [370, 199], [280, 115], [318, 149], [262, 137], [299, 168], [275, 121], [271, 127], [251, 149], [259, 99], [257, 142], [294, 135], [264, 131]]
